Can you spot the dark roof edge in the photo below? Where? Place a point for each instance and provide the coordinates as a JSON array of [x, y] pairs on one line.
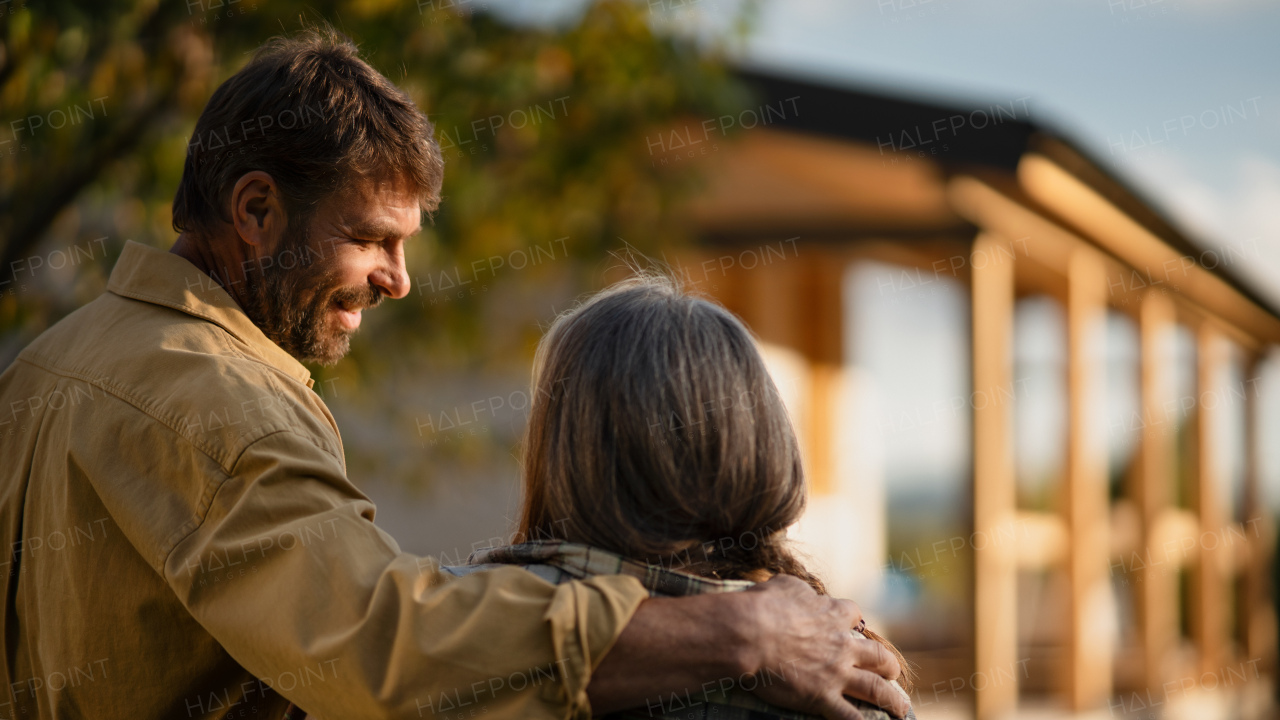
[[1000, 147], [995, 135]]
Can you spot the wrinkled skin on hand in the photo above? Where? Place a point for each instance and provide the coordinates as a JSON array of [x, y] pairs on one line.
[[805, 637]]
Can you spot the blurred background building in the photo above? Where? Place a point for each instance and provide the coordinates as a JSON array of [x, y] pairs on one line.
[[1103, 532], [1012, 265]]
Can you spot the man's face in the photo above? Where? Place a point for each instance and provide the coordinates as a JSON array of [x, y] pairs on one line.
[[345, 259]]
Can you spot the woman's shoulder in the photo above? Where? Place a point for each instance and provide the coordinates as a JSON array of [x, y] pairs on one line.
[[558, 562]]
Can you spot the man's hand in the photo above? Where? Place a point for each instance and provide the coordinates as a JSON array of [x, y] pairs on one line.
[[796, 641], [804, 638]]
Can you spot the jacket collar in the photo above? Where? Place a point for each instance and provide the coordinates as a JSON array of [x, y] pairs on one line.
[[163, 278]]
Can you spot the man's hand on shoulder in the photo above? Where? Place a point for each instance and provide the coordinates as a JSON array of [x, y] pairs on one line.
[[799, 643]]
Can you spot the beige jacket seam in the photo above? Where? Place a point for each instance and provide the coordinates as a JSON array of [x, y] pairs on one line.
[[206, 495], [125, 396], [206, 500]]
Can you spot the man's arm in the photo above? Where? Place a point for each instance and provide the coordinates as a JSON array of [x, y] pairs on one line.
[[318, 585], [798, 641], [315, 587]]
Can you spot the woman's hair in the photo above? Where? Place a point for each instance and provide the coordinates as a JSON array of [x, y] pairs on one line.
[[656, 432]]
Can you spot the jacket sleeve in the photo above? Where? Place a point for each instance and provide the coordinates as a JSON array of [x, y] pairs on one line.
[[326, 609]]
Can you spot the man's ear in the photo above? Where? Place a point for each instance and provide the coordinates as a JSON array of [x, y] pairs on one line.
[[257, 212]]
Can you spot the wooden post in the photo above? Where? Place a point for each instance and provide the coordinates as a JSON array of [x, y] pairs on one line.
[[1155, 585], [773, 302], [820, 447], [820, 334], [1259, 613], [1087, 503], [994, 504], [1208, 593]]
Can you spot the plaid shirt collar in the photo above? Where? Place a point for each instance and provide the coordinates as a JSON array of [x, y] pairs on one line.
[[582, 561]]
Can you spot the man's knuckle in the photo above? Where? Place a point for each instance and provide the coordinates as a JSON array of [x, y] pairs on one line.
[[846, 608]]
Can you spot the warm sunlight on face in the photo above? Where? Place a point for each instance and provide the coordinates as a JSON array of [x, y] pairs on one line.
[[356, 239]]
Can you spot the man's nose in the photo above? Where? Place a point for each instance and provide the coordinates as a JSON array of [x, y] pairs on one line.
[[392, 276]]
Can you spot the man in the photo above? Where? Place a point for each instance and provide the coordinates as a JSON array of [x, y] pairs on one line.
[[185, 541]]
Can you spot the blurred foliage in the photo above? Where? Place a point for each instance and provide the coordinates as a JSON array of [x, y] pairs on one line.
[[543, 131]]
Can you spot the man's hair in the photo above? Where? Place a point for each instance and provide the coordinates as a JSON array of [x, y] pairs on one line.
[[310, 113]]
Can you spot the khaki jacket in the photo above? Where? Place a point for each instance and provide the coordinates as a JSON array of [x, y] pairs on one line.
[[184, 541]]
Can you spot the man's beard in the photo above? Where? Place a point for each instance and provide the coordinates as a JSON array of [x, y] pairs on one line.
[[292, 306]]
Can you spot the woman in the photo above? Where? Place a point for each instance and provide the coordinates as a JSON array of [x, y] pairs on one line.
[[658, 446]]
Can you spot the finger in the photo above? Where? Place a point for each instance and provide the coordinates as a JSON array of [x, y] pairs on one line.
[[838, 708], [876, 690], [871, 655]]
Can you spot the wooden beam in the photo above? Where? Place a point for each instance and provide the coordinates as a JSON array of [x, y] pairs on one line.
[[1113, 230], [1048, 243], [1041, 539], [1089, 659], [994, 504]]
